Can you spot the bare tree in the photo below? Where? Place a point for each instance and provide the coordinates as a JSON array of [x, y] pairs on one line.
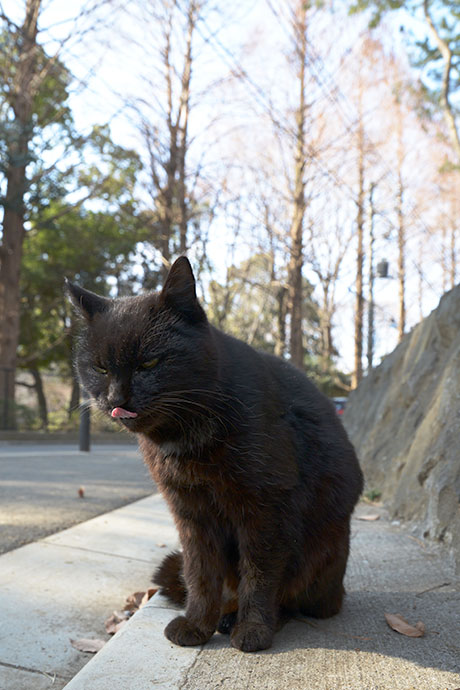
[[174, 180], [360, 216], [298, 214]]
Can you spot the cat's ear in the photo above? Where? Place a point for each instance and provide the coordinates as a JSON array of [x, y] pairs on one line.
[[179, 291], [88, 303]]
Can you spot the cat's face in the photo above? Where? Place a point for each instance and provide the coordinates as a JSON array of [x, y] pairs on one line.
[[146, 361]]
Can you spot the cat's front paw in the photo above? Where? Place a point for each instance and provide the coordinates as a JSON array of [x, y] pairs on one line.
[[186, 634], [251, 637]]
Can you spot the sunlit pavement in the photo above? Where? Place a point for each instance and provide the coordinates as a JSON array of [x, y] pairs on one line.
[[47, 488]]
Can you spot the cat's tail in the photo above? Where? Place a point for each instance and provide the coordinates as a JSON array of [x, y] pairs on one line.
[[169, 577]]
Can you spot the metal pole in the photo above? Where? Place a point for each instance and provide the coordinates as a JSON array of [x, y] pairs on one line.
[[85, 424]]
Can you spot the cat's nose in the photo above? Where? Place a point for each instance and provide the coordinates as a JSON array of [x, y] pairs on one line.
[[117, 396], [117, 402]]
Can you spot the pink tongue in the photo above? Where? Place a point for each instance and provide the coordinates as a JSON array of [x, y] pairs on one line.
[[120, 412]]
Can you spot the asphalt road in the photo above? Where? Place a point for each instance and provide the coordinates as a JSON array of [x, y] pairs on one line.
[[39, 487]]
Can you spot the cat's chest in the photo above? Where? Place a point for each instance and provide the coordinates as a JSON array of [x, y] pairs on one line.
[[174, 467]]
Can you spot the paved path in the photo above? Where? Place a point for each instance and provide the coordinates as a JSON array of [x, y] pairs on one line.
[[65, 585], [39, 487]]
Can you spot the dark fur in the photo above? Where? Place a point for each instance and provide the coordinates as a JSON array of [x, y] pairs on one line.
[[252, 459]]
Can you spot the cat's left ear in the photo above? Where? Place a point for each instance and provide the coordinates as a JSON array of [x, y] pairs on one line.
[[179, 292], [88, 303]]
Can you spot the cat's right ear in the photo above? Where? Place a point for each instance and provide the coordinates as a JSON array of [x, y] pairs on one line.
[[179, 291], [87, 303]]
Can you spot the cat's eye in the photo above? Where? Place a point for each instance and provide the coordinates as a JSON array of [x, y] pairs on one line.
[[100, 370], [150, 364]]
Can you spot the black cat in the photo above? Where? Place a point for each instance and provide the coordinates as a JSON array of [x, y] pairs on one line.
[[252, 459]]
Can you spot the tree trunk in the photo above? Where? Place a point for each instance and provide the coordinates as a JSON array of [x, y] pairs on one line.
[[296, 259], [165, 193], [444, 269], [401, 261], [183, 117], [453, 255], [280, 344], [41, 398], [371, 306], [326, 326], [420, 279], [21, 94], [359, 308], [10, 266]]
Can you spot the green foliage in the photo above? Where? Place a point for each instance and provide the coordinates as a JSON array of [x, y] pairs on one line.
[[373, 495], [77, 201], [425, 53], [109, 169], [329, 379], [378, 7], [48, 108], [86, 246]]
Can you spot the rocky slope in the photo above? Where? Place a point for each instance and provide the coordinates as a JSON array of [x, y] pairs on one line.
[[404, 420]]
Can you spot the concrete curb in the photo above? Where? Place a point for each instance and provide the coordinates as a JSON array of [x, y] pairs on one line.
[[139, 656], [66, 585]]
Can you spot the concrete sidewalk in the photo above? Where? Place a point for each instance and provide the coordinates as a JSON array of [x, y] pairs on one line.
[[66, 585], [46, 599]]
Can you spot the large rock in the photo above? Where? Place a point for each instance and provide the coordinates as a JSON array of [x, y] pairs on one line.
[[404, 420]]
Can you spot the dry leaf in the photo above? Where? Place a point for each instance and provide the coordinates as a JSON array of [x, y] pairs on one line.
[[87, 645], [115, 622], [148, 595], [371, 517], [138, 599], [399, 624], [133, 601]]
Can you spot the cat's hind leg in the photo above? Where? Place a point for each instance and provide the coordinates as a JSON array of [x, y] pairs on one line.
[[324, 596]]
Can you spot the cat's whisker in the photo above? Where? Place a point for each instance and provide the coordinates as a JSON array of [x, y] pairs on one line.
[[204, 410], [214, 395], [211, 409], [164, 409]]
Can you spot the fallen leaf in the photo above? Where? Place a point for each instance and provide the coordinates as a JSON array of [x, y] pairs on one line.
[[370, 517], [400, 625], [81, 491], [138, 599], [133, 601], [148, 595], [115, 622], [87, 645]]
